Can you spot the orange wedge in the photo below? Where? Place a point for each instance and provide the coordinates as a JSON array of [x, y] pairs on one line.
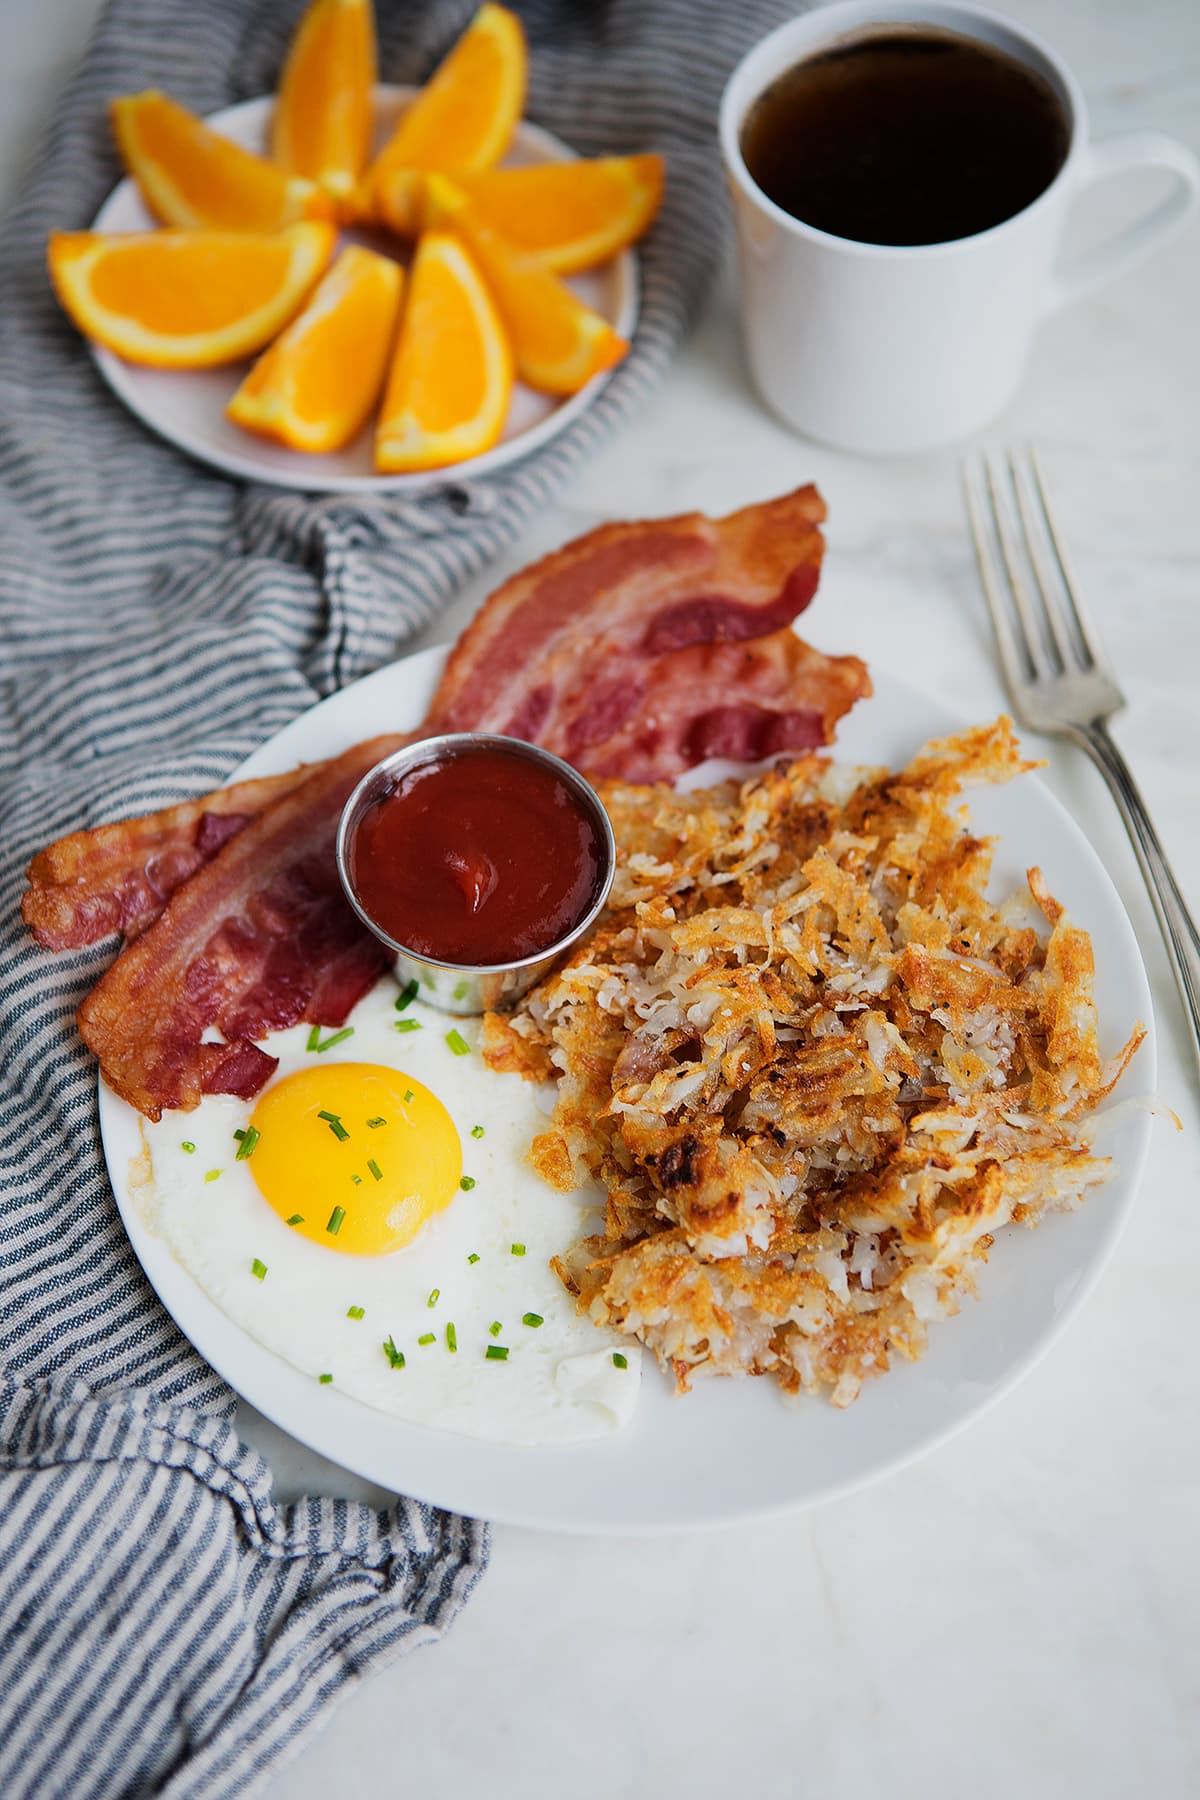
[[322, 123], [315, 387], [465, 115], [572, 215], [558, 342], [451, 382], [184, 299], [192, 177]]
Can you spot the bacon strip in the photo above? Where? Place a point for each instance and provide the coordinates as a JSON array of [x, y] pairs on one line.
[[563, 652], [119, 877], [260, 938], [584, 649], [743, 701], [635, 652]]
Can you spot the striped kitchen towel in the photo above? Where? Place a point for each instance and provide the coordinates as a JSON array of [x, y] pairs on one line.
[[165, 1626]]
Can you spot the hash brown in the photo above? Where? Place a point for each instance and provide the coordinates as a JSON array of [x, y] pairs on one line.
[[812, 1065]]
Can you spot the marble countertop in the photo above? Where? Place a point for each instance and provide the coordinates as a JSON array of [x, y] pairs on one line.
[[1016, 1614]]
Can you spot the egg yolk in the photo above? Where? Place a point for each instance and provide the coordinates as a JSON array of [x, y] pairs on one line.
[[355, 1156]]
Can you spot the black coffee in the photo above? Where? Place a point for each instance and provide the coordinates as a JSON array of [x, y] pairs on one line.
[[906, 137]]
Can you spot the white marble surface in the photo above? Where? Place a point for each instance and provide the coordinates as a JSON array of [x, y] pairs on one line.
[[1017, 1614]]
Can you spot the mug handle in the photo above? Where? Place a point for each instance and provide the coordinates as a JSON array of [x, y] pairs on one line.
[[1140, 150]]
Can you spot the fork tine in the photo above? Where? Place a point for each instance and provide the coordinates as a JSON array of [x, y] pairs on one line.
[[1037, 531], [1084, 625], [1022, 598], [1013, 663]]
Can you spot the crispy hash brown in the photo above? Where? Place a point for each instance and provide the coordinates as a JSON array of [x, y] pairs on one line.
[[813, 1067]]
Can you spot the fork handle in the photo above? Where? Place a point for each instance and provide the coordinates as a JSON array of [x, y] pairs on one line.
[[1175, 921]]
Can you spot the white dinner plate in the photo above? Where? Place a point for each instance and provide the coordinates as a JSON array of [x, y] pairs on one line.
[[730, 1449], [187, 406]]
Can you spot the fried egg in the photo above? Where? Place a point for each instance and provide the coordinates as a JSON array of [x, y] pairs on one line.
[[377, 1129], [373, 1219]]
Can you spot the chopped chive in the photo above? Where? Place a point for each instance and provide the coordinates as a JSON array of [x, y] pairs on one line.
[[619, 1361], [212, 1175], [494, 1328], [409, 1096], [376, 1171], [473, 1258], [467, 1183], [406, 1024], [296, 1219], [335, 1220], [258, 1269], [357, 1180], [496, 1353], [429, 1337], [335, 1125], [356, 1312], [188, 1146], [247, 1146], [324, 1380], [372, 1123], [517, 1249], [239, 1134], [477, 1131], [339, 1037], [458, 1043], [460, 991], [407, 995], [394, 1356], [435, 1295], [314, 1038], [533, 1320], [451, 1338]]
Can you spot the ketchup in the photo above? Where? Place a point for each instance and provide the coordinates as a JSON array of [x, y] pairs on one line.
[[477, 857]]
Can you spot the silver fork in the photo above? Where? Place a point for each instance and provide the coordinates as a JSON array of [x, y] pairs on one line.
[[1058, 677]]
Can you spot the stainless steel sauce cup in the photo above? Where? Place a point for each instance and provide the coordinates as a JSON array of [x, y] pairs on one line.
[[465, 988]]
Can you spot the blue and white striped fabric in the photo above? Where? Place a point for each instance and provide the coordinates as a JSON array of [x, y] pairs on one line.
[[165, 1627]]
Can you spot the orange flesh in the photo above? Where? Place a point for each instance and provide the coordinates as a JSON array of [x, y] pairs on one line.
[[572, 215], [186, 299], [217, 182], [451, 381], [328, 367], [444, 372], [196, 287], [466, 114], [553, 203], [210, 183], [322, 123], [559, 343]]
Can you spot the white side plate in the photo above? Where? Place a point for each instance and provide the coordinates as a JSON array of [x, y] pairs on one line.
[[187, 406]]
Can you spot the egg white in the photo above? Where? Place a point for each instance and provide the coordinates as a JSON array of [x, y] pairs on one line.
[[559, 1383]]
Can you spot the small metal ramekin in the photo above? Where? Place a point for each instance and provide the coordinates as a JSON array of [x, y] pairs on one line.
[[468, 988]]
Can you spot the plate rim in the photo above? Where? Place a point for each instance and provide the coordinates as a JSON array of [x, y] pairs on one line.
[[121, 377], [353, 1419]]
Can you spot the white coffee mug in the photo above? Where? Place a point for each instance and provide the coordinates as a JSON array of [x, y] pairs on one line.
[[883, 348]]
